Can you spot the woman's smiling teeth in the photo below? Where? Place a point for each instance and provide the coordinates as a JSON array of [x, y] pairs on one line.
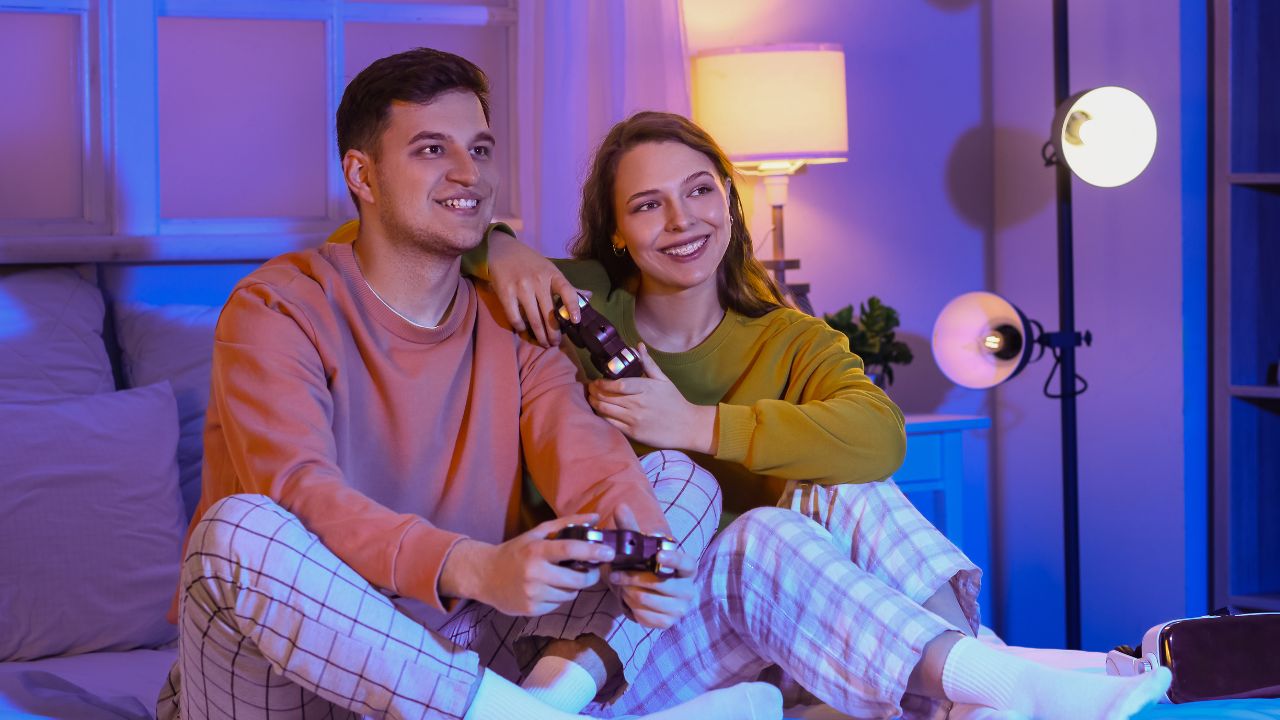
[[461, 203], [688, 248]]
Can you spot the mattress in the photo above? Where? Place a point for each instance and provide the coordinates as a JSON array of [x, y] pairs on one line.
[[124, 686], [107, 686]]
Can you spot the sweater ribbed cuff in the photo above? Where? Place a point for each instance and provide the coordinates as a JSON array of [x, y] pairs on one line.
[[475, 262], [419, 562], [736, 425]]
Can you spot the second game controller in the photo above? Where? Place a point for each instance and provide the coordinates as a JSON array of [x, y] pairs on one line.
[[609, 352]]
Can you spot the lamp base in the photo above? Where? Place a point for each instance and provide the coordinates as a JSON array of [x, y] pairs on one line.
[[799, 293]]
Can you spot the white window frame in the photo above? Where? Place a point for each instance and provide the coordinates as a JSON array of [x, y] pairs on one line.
[[118, 95]]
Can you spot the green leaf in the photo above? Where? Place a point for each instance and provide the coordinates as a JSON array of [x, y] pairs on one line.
[[872, 337]]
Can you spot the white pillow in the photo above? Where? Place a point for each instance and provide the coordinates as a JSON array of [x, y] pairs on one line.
[[51, 336], [91, 523], [173, 343]]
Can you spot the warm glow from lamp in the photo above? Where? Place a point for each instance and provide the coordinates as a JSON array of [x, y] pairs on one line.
[[1106, 136], [774, 108]]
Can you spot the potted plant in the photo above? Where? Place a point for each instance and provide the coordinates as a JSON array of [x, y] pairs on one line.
[[872, 338]]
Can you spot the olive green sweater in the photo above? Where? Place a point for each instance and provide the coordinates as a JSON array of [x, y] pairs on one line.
[[793, 402]]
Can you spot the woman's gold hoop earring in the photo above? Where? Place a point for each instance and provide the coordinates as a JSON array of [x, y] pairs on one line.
[[619, 250]]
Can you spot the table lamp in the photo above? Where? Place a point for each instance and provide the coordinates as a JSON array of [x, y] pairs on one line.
[[774, 109]]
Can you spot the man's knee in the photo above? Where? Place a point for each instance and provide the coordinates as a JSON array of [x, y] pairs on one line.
[[227, 524], [764, 534], [690, 495]]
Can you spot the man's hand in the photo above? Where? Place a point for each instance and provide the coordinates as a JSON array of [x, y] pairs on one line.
[[655, 602], [522, 577], [525, 282], [652, 411]]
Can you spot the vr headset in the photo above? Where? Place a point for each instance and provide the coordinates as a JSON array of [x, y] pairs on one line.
[[1215, 657]]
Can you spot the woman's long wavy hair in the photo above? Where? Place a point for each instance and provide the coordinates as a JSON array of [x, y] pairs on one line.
[[742, 282]]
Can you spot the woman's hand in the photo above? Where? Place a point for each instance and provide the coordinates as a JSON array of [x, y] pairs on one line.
[[652, 411], [650, 600], [525, 282]]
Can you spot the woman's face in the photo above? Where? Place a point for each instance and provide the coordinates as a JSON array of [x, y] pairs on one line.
[[673, 215]]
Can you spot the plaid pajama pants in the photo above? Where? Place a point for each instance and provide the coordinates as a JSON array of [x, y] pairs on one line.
[[273, 624], [822, 597]]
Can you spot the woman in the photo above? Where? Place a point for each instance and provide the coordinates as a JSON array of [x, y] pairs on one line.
[[773, 403]]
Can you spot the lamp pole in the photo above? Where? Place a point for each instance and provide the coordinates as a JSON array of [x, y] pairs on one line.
[[1066, 340]]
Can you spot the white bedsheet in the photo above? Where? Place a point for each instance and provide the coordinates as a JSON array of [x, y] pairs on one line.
[[138, 675], [123, 686]]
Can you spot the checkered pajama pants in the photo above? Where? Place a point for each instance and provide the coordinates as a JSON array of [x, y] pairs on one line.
[[273, 624], [822, 597]]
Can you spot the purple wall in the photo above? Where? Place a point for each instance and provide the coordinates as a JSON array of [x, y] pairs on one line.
[[1128, 290]]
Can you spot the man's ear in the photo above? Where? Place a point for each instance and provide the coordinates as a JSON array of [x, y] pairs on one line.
[[357, 170]]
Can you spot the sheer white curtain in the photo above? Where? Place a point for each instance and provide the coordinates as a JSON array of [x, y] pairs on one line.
[[582, 66]]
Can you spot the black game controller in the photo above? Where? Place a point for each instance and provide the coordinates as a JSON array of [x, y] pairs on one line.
[[609, 353], [633, 550]]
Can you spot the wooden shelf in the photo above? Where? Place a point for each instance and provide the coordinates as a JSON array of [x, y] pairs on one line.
[[1265, 392], [1244, 259], [1255, 179]]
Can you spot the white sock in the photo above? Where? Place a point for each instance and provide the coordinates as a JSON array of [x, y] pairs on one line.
[[561, 683], [976, 674], [499, 699], [745, 701]]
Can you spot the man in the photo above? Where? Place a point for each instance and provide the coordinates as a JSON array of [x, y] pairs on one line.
[[357, 550]]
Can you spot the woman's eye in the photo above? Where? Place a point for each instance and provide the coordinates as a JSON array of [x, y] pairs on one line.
[[646, 206], [700, 190]]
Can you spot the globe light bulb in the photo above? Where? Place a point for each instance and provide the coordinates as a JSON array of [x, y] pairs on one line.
[[1107, 136]]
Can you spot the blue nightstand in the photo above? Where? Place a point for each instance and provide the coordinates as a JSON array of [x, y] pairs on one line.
[[934, 478]]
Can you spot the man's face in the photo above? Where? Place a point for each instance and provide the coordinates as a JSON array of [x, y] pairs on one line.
[[435, 177]]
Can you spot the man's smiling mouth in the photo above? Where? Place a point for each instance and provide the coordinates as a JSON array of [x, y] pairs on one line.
[[460, 203]]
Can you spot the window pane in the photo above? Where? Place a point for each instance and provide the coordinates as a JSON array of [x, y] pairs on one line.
[[41, 131], [243, 118]]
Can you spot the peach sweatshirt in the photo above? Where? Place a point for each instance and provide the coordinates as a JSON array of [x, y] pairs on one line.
[[391, 442]]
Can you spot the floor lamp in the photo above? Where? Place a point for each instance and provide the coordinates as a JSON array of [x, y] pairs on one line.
[[1106, 137], [774, 109]]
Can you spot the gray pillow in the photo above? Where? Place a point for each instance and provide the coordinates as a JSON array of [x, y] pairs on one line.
[[91, 523], [51, 336], [173, 343]]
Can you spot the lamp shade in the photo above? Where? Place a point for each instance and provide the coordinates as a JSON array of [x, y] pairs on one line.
[[1106, 135], [774, 103], [980, 340]]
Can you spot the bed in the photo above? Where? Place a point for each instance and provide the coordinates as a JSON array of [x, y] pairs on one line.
[[102, 398]]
